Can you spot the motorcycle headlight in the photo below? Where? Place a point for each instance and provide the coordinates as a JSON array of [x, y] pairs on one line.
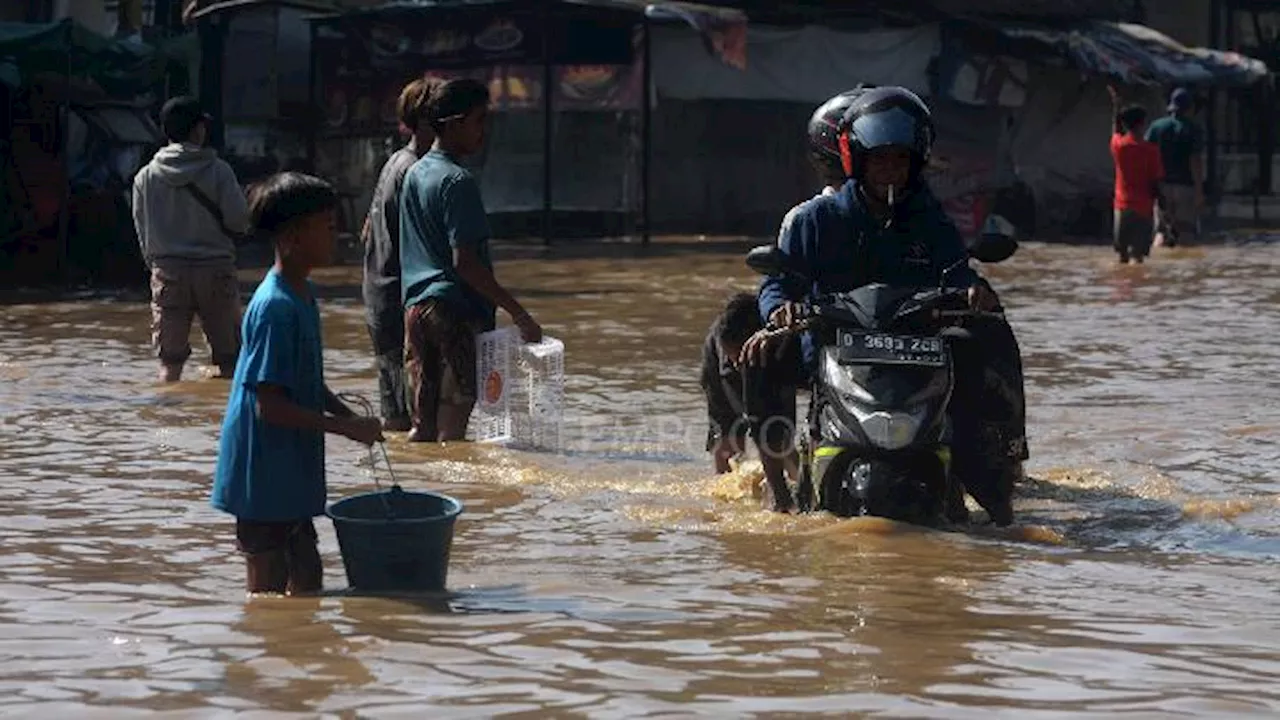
[[891, 430], [838, 377], [885, 429]]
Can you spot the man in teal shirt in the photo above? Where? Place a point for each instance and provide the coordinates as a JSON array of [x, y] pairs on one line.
[[1181, 145], [450, 293]]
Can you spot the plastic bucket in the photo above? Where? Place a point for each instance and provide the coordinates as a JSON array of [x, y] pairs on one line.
[[395, 540]]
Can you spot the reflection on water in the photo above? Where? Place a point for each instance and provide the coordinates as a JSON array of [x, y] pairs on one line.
[[621, 579]]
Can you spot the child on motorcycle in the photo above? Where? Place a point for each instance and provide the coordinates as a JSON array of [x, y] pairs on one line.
[[742, 400]]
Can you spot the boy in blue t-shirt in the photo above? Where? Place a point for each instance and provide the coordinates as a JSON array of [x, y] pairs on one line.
[[449, 290], [270, 472]]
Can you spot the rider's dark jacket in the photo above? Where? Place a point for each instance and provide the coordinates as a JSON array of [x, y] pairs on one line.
[[835, 241]]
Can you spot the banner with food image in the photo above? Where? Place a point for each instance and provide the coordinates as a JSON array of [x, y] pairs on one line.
[[390, 45], [393, 45], [362, 62], [354, 108]]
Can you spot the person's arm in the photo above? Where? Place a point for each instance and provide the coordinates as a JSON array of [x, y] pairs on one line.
[[468, 227], [797, 241], [1157, 175], [139, 211], [276, 408], [391, 208], [334, 405], [1115, 110], [481, 279], [235, 210], [270, 346], [719, 412], [949, 251]]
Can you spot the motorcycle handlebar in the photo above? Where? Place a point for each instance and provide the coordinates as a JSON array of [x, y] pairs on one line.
[[968, 314], [809, 314]]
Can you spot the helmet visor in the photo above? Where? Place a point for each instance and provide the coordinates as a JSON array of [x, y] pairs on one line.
[[892, 126]]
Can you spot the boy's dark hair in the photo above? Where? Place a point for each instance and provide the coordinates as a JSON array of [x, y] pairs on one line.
[[179, 117], [412, 105], [1132, 117], [453, 99], [740, 319], [281, 199]]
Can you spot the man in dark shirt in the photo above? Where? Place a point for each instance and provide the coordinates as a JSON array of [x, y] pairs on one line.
[[1181, 145], [885, 225], [381, 235]]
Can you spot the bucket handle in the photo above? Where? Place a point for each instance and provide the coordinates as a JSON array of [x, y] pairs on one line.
[[364, 404]]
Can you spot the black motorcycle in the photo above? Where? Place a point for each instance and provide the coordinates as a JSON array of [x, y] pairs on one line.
[[879, 429]]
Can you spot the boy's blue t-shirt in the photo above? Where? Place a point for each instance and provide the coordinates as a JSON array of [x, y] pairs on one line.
[[440, 210], [266, 472]]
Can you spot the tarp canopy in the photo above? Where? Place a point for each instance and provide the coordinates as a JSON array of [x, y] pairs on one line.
[[1133, 54], [846, 15], [462, 33], [120, 67], [1058, 9]]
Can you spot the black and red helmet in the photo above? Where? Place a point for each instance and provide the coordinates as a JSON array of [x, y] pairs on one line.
[[885, 117], [824, 132]]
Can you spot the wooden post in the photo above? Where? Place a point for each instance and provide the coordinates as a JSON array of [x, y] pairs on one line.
[[1210, 117], [548, 110], [646, 133], [318, 104], [212, 32], [64, 123]]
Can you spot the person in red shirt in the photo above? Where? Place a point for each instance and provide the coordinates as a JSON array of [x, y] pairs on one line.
[[1138, 175]]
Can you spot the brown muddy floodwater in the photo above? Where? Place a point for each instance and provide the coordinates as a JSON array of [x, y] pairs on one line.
[[620, 579]]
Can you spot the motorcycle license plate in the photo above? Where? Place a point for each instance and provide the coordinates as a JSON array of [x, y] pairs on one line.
[[884, 349]]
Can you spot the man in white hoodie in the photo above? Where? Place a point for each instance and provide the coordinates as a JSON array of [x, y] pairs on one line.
[[189, 210]]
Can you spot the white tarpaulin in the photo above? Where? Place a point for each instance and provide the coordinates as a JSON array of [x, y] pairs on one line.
[[806, 65]]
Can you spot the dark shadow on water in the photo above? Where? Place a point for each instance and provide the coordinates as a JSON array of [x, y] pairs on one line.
[[353, 292], [626, 248], [493, 600], [1116, 517]]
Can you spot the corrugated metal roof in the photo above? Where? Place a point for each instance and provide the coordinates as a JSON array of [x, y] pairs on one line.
[[196, 9], [909, 11], [1048, 9], [637, 6]]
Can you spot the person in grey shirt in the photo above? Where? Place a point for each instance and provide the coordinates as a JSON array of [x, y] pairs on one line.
[[189, 210], [384, 309]]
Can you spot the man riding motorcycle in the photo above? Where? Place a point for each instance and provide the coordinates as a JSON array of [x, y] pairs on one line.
[[777, 368], [885, 225], [824, 154]]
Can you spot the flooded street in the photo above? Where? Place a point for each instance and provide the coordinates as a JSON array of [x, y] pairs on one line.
[[621, 579]]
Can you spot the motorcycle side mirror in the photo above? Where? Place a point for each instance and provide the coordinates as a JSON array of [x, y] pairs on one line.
[[769, 260], [996, 243]]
